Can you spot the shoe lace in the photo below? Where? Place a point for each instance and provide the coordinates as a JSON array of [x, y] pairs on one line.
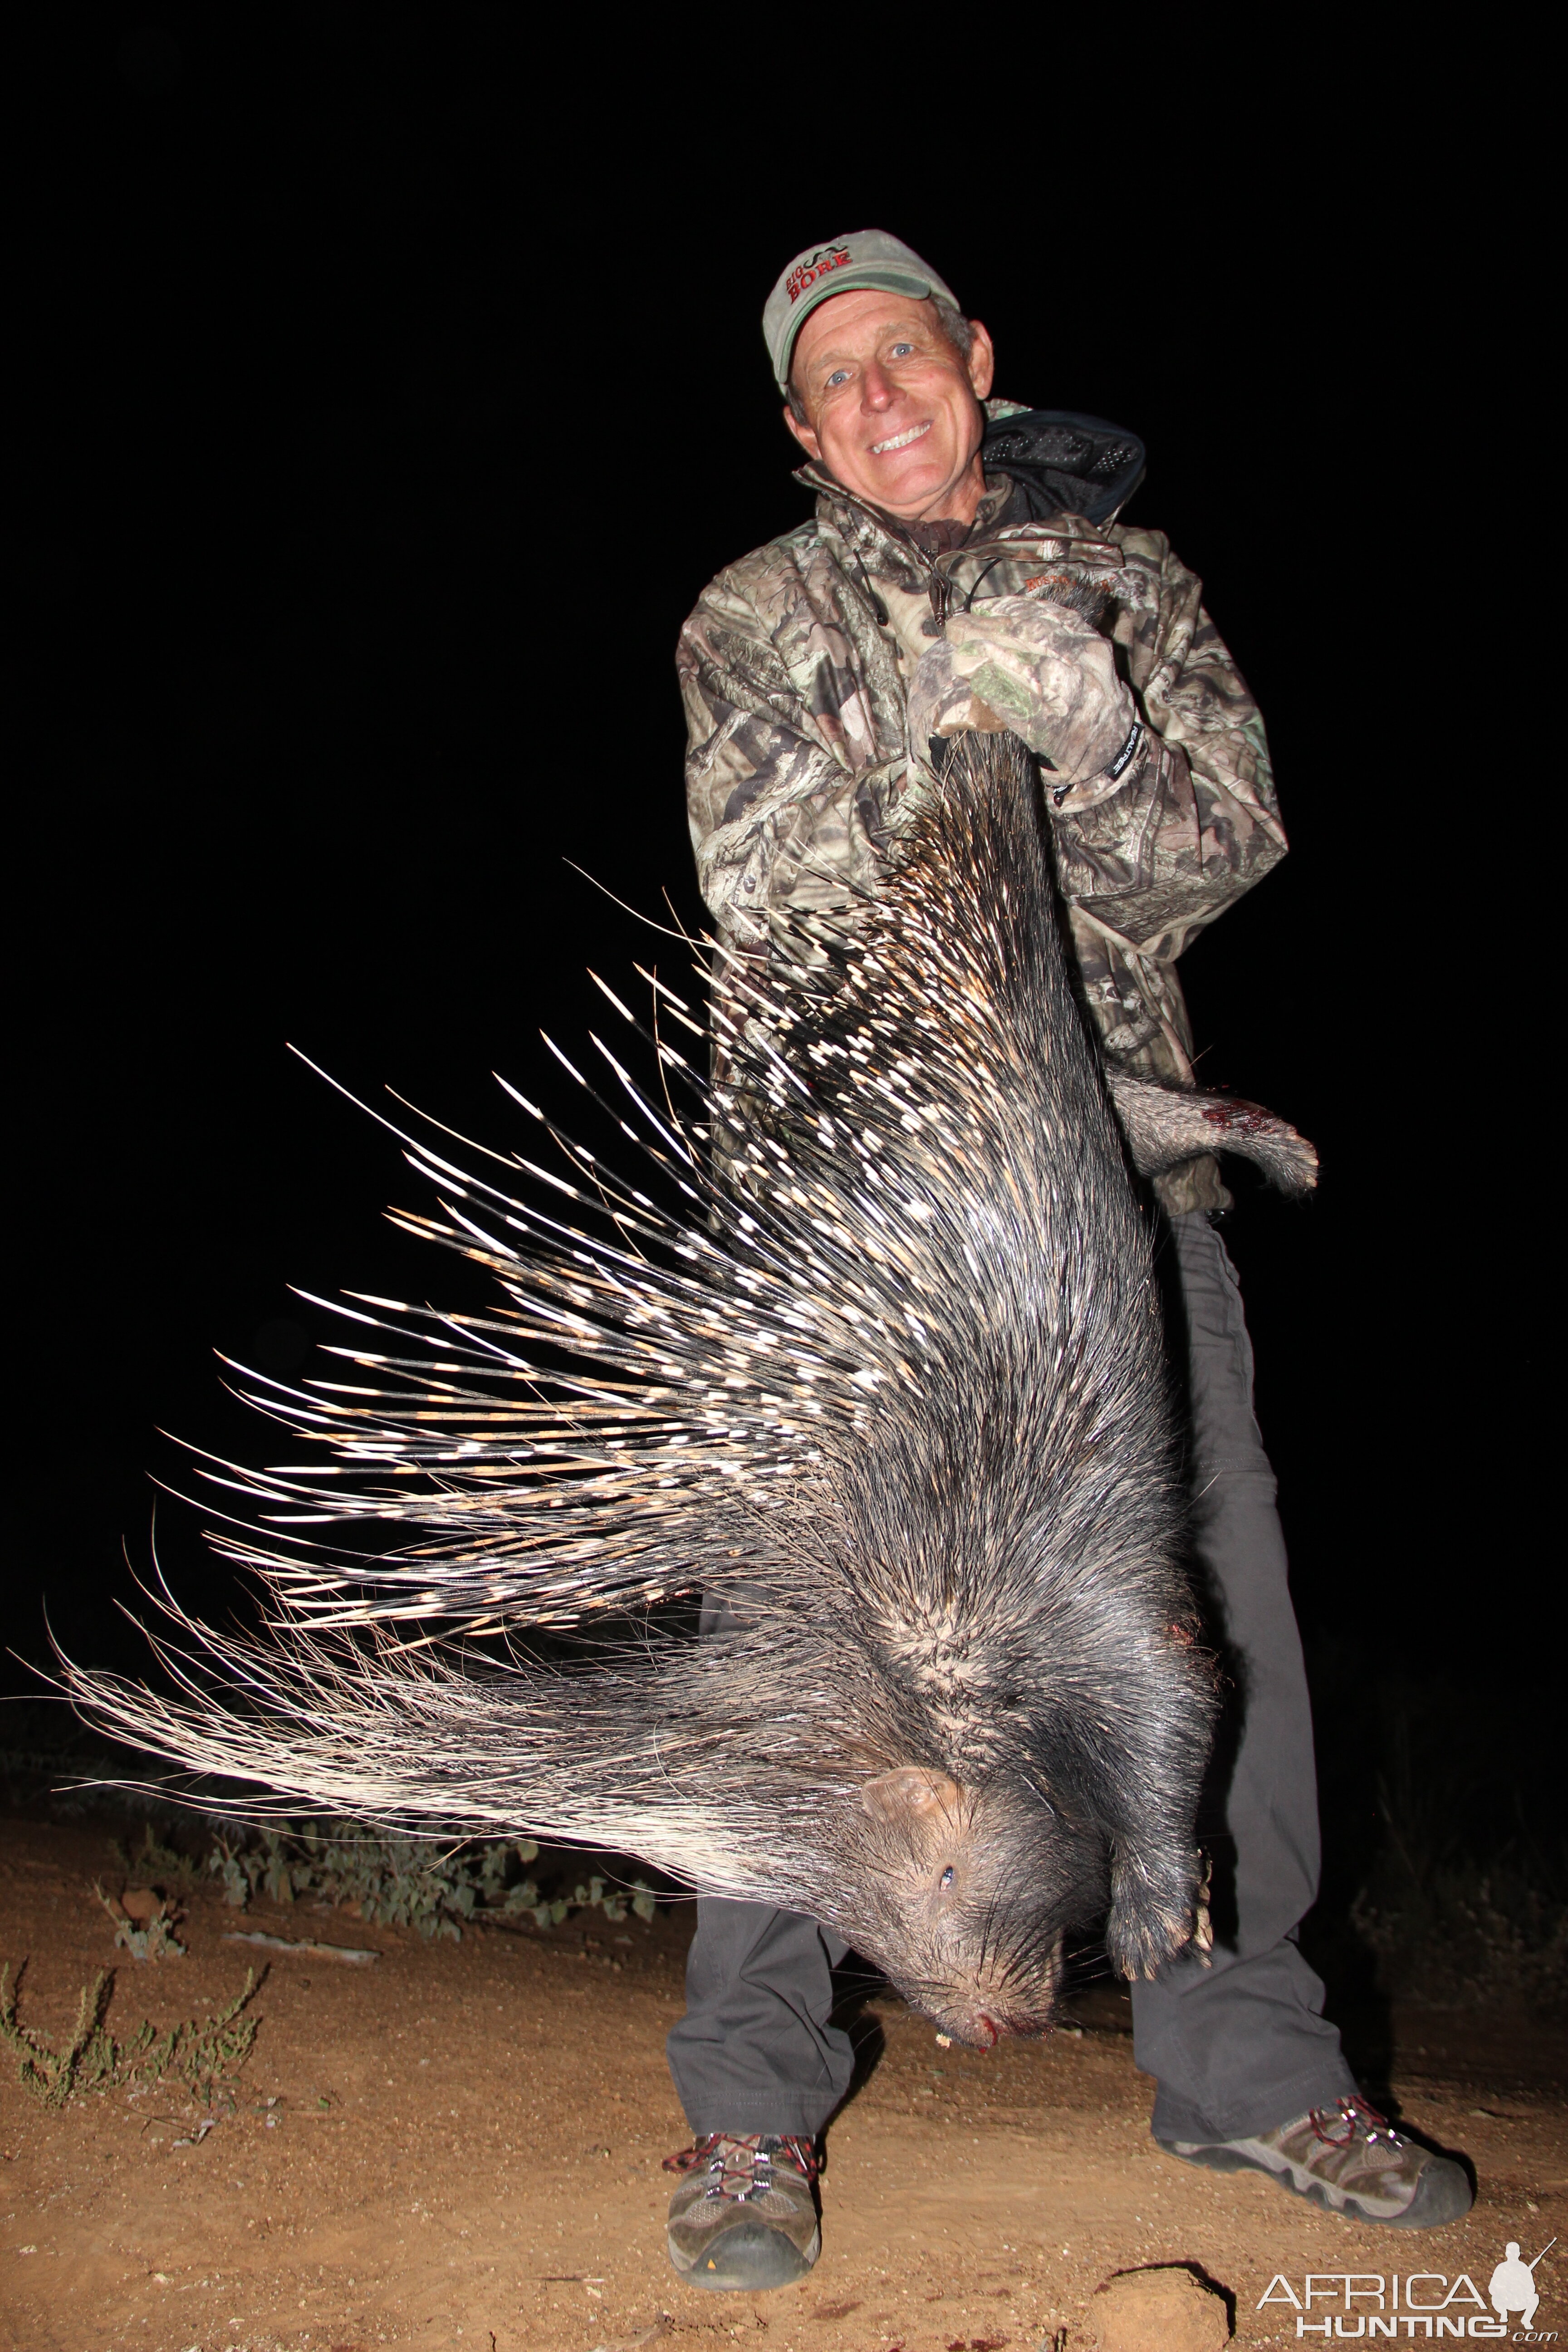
[[1357, 2116], [740, 2164]]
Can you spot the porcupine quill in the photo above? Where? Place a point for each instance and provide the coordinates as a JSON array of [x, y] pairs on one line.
[[882, 1378]]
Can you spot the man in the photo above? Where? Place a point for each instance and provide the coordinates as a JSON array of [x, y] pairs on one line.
[[1512, 2287], [955, 575]]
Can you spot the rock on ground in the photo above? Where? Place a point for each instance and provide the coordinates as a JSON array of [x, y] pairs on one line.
[[1158, 2311]]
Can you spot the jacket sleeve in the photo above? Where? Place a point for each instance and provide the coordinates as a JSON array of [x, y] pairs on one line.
[[786, 809], [1192, 822]]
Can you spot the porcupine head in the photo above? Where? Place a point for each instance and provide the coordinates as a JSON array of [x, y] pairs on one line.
[[965, 1883], [971, 1892]]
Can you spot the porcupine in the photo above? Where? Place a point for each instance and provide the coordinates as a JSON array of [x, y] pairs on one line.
[[893, 1387]]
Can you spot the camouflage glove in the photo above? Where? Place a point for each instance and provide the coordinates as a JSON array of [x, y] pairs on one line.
[[1038, 668]]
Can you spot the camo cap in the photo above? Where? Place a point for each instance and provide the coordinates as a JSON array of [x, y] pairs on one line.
[[869, 257]]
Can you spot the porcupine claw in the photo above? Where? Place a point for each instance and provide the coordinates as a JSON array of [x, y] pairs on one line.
[[1203, 1926]]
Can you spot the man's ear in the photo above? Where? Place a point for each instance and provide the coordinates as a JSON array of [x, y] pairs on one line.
[[804, 435], [911, 1794], [982, 361]]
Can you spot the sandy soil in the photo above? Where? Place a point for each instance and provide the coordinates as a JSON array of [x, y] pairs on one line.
[[461, 2146]]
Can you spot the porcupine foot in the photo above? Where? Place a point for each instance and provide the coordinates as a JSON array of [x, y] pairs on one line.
[[1165, 1125], [1156, 1915]]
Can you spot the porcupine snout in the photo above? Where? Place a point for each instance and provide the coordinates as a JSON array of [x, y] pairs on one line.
[[964, 1895]]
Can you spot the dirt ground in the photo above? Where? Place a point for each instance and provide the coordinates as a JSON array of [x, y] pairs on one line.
[[461, 2145]]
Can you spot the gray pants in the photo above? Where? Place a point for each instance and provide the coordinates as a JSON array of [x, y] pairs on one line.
[[1236, 2047]]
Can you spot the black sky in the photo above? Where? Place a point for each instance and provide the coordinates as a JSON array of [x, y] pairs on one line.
[[389, 388]]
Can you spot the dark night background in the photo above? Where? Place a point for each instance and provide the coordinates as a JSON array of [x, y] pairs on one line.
[[388, 396]]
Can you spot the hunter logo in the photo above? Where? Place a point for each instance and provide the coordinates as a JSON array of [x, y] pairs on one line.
[[807, 273], [1427, 2306]]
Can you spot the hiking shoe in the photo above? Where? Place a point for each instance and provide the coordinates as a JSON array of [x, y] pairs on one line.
[[1348, 2159], [745, 2214]]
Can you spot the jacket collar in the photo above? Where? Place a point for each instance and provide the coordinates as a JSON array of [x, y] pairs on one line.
[[1039, 463], [1062, 462], [879, 542]]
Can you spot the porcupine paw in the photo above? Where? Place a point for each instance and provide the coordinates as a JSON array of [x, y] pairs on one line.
[[1152, 1919], [1165, 1125]]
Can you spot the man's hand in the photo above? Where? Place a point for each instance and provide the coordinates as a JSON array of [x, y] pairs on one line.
[[1038, 668]]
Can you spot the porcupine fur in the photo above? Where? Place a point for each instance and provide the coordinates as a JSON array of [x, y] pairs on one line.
[[892, 1394]]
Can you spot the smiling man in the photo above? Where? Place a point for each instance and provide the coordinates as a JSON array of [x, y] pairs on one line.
[[876, 400], [964, 568]]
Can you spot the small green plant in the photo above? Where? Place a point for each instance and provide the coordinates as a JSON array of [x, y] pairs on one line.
[[402, 1882], [207, 2051], [614, 1904], [156, 1865], [90, 2060], [263, 1864], [152, 1939], [201, 2052], [225, 1863]]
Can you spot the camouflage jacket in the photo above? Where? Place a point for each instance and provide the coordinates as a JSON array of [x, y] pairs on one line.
[[794, 670]]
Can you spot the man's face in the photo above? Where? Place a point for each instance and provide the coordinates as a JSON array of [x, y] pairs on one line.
[[892, 411]]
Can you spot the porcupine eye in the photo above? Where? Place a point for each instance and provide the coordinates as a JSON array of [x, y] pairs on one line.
[[947, 1876]]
